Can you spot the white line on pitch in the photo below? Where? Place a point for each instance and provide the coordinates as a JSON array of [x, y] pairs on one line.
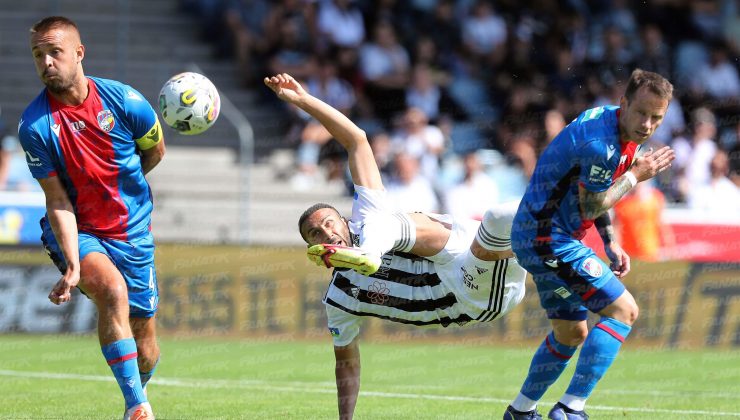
[[301, 387]]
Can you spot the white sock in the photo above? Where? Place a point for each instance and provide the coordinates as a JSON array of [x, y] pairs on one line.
[[522, 403], [574, 402], [494, 233]]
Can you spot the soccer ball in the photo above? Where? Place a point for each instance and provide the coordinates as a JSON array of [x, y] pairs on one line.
[[189, 103]]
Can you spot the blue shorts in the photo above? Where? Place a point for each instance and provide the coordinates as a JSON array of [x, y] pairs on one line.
[[134, 259], [571, 280]]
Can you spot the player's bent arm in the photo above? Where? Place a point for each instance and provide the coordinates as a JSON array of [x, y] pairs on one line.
[[151, 157], [151, 148], [604, 226], [362, 164], [594, 204], [347, 371], [62, 219]]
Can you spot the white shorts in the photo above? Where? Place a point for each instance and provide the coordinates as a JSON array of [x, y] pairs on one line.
[[488, 289]]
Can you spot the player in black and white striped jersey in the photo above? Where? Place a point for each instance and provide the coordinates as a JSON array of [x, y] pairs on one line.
[[416, 268]]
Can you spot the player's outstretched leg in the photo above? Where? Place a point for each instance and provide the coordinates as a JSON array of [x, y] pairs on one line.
[[329, 255]]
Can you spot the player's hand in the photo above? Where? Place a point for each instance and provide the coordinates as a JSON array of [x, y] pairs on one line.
[[620, 261], [286, 87], [652, 163], [62, 291]]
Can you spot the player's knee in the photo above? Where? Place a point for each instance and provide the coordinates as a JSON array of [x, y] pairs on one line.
[[625, 310], [111, 298], [574, 336]]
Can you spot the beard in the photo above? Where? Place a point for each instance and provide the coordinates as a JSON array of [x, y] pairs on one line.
[[60, 84]]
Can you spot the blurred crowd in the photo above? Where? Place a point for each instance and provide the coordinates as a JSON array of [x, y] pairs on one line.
[[459, 97]]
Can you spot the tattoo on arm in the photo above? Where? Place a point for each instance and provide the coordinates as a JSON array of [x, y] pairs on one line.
[[595, 204], [604, 227]]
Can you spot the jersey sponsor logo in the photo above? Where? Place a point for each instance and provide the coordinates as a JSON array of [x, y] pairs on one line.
[[55, 128], [132, 95], [592, 267], [78, 126], [106, 120], [378, 292], [599, 174], [562, 292], [468, 280], [610, 151], [32, 161]]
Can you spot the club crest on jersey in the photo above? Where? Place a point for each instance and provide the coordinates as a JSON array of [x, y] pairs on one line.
[[106, 121], [592, 267]]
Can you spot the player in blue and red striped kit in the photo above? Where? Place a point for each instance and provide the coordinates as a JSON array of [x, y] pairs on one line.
[[89, 142], [586, 169]]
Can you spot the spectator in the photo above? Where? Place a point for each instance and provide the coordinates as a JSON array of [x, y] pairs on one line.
[[409, 189], [718, 78], [244, 21], [693, 157], [474, 194], [386, 66], [419, 139], [292, 54], [655, 56], [340, 23], [719, 194], [484, 33]]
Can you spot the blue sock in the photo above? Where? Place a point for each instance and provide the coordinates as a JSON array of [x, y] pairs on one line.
[[121, 357], [548, 363], [598, 353], [146, 376]]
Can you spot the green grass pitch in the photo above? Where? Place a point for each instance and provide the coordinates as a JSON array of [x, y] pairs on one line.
[[65, 377]]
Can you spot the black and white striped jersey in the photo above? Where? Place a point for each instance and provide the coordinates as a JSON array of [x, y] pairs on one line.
[[408, 289]]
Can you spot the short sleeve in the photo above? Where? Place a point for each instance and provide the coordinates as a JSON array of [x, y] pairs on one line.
[[343, 327], [145, 128], [38, 157], [596, 173], [367, 202]]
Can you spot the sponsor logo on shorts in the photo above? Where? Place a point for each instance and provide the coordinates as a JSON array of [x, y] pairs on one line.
[[592, 267], [468, 280], [562, 292], [334, 332]]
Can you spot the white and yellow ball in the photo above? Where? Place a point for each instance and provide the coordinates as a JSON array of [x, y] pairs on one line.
[[189, 103]]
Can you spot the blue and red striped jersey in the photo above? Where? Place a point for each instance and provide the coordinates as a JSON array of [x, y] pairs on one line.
[[92, 148], [587, 152]]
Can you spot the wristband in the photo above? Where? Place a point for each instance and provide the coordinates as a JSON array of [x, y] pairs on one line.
[[631, 178]]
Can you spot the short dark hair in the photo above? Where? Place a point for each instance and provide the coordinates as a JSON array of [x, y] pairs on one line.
[[309, 211], [52, 22], [656, 83]]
